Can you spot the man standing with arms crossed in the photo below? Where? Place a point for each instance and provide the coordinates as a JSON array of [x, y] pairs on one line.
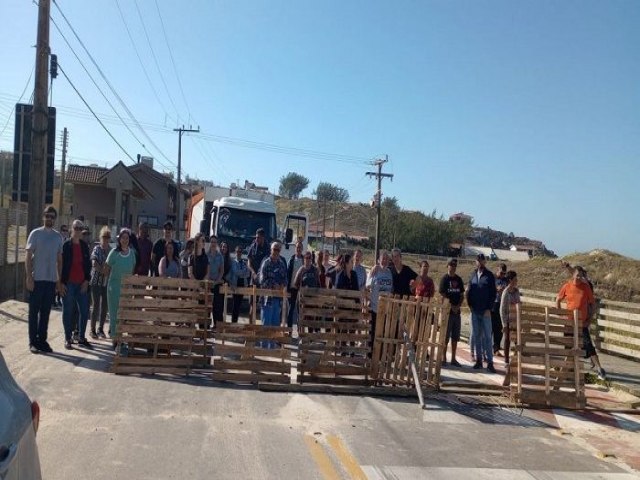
[[43, 265], [481, 294]]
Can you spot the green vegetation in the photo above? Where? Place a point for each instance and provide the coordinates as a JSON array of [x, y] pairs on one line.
[[292, 184]]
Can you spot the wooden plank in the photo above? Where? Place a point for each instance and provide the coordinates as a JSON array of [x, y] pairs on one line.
[[163, 282], [628, 305], [157, 330], [251, 351], [620, 350], [126, 314], [618, 314], [155, 361], [330, 324], [252, 366], [308, 378], [248, 377], [149, 370], [631, 341], [619, 326], [154, 341], [152, 303]]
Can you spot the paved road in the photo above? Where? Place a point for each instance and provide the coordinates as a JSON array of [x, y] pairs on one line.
[[100, 426]]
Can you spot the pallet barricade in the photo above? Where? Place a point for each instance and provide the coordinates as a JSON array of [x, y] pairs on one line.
[[253, 353], [255, 296], [157, 320], [404, 326], [546, 367], [334, 337]]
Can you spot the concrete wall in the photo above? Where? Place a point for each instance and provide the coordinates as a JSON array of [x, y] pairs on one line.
[[91, 201], [158, 206]]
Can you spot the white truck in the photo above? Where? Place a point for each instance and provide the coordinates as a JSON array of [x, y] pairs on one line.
[[234, 214]]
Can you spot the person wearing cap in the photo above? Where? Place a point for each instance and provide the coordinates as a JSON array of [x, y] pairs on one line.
[[272, 275], [481, 295], [451, 289], [496, 322], [258, 251], [578, 295], [43, 262], [74, 278], [158, 248]]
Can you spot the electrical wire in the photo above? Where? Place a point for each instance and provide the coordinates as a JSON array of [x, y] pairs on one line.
[[155, 59], [106, 80], [19, 100], [94, 114], [144, 69], [175, 70]]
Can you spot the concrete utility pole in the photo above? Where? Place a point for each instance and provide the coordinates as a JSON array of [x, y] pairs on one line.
[[180, 131], [378, 198], [62, 171], [40, 128]]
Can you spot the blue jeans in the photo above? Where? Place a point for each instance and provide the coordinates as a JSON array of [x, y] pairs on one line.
[[271, 312], [75, 296], [40, 301], [483, 338]]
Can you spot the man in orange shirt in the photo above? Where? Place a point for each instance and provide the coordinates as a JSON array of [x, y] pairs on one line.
[[579, 296]]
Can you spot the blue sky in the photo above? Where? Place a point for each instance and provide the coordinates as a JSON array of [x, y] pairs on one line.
[[524, 114]]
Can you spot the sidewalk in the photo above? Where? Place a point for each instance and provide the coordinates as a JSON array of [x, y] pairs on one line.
[[622, 374]]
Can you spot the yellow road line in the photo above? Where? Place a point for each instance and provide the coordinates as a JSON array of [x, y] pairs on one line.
[[347, 460], [322, 460]]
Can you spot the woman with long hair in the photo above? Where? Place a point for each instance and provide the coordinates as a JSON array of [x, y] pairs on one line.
[[238, 276], [120, 263], [184, 257], [199, 261], [346, 278], [169, 266]]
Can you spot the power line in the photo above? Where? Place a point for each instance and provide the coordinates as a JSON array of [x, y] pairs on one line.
[[21, 95], [94, 114], [106, 80], [144, 69], [175, 70], [155, 59]]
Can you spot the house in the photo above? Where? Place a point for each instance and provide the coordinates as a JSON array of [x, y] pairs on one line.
[[461, 217], [511, 255], [122, 195], [531, 249], [475, 250]]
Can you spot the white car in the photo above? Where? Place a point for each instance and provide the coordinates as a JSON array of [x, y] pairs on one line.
[[19, 418]]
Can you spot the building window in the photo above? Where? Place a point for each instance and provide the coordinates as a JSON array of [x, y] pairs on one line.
[[149, 220]]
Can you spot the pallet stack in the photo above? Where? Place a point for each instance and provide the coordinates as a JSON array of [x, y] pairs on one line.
[[334, 335], [407, 326], [157, 320], [253, 353], [546, 369]]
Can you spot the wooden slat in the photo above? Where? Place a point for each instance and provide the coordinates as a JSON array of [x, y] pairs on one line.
[[619, 326], [621, 350], [634, 342]]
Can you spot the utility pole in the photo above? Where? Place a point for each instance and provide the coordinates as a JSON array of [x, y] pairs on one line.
[[62, 171], [378, 198], [334, 228], [40, 126], [180, 131]]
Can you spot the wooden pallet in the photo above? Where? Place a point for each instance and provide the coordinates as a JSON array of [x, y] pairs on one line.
[[546, 366], [157, 320], [334, 335], [252, 354], [409, 325], [254, 295]]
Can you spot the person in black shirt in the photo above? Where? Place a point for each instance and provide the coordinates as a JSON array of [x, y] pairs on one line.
[[452, 289], [402, 274], [199, 261], [347, 278], [258, 251]]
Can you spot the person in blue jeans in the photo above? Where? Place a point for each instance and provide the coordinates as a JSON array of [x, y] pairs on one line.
[[42, 266], [74, 279], [272, 275], [481, 294]]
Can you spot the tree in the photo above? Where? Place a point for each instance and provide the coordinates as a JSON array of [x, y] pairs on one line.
[[292, 185], [327, 192]]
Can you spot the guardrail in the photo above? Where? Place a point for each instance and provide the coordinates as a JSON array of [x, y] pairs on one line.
[[616, 327]]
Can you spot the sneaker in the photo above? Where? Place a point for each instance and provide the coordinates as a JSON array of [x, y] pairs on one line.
[[602, 375], [477, 365], [74, 337], [33, 349], [68, 344], [85, 343], [45, 347], [498, 353], [101, 334], [94, 335], [491, 368], [455, 363]]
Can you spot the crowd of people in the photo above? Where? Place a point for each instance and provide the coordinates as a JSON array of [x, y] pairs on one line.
[[66, 267]]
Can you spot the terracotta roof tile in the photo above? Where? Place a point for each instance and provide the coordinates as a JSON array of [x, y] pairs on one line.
[[84, 174]]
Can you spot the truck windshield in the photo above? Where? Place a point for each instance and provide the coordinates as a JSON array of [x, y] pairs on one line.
[[238, 227]]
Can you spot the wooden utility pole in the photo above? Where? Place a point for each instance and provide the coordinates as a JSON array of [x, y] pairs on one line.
[[180, 131], [40, 126], [62, 171], [378, 198]]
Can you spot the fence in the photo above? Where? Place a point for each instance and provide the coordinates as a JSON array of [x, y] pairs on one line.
[[616, 328]]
